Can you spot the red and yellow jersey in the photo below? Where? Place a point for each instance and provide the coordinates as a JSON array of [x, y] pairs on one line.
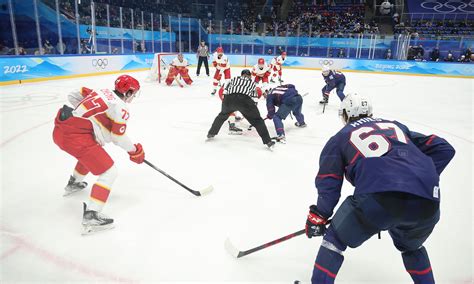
[[179, 64], [260, 71], [222, 62], [108, 114]]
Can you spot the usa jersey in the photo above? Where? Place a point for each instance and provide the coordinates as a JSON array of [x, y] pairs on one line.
[[107, 113], [220, 63], [279, 96], [377, 155], [334, 78]]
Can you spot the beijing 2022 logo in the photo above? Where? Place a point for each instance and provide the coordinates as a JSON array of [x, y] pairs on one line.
[[449, 6], [100, 63]]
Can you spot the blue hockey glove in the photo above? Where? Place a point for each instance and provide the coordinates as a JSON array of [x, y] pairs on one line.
[[315, 223]]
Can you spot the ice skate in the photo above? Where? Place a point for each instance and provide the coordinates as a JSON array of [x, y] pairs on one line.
[[73, 186], [280, 138], [300, 125], [270, 145], [210, 136], [234, 130], [94, 221], [280, 80], [324, 100], [213, 92]]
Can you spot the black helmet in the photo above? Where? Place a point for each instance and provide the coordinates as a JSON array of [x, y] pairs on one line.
[[245, 72]]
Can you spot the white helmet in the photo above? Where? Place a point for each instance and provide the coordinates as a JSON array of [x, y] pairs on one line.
[[325, 69], [354, 106]]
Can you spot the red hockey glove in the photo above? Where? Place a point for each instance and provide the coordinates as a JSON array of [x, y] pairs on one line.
[[138, 156], [315, 223], [214, 64]]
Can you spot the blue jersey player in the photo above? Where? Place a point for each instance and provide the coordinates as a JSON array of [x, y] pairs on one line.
[[395, 173], [333, 79], [287, 99]]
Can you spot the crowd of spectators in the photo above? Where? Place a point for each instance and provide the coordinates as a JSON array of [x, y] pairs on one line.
[[324, 20], [434, 28]]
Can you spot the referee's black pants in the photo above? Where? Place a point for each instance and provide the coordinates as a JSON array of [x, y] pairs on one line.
[[202, 59], [249, 110]]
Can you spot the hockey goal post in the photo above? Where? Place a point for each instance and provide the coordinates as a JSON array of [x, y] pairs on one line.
[[160, 67]]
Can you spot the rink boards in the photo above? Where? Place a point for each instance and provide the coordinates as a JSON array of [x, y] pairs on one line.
[[21, 69]]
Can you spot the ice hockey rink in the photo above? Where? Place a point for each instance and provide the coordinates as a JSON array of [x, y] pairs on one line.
[[164, 234]]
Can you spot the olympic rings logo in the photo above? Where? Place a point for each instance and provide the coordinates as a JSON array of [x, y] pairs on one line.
[[449, 6], [100, 63], [326, 62]]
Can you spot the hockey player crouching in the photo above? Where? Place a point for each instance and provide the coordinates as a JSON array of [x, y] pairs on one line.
[[333, 79], [276, 66], [287, 99], [222, 65], [395, 173], [179, 66], [98, 117], [261, 72]]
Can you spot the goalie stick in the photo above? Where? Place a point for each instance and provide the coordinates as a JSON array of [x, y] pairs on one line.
[[195, 192]]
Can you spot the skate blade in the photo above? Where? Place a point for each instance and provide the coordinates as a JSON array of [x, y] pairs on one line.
[[68, 193], [235, 133], [89, 230]]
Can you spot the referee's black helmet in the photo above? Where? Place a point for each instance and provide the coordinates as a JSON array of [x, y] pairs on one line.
[[245, 72]]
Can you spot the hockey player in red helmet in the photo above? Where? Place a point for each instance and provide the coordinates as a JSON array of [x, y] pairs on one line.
[[261, 71], [96, 118], [222, 65], [276, 66]]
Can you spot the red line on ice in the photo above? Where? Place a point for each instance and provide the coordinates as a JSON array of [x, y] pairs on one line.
[[5, 142], [61, 261]]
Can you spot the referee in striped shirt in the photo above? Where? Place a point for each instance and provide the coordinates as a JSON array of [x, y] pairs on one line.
[[238, 97]]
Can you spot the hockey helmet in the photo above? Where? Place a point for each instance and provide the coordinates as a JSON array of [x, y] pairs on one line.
[[261, 61], [127, 86], [325, 70], [355, 106], [219, 50], [245, 72]]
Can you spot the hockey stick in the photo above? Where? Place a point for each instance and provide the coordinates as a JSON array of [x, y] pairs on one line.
[[195, 192], [232, 250]]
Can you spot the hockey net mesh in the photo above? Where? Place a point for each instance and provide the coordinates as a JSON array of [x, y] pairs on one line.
[[160, 67]]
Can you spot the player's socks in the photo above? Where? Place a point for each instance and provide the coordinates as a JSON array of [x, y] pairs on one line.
[[417, 264], [326, 266]]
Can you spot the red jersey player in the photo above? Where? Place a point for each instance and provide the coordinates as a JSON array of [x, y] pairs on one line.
[[276, 64], [98, 117], [261, 72], [179, 66], [222, 65]]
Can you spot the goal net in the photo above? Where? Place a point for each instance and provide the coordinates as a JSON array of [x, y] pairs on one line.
[[159, 69]]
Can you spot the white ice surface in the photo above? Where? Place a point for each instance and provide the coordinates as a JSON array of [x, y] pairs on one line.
[[165, 234]]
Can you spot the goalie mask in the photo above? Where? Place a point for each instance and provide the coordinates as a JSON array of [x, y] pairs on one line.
[[353, 107]]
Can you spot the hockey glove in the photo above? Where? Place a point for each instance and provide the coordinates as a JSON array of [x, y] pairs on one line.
[[138, 156], [315, 223]]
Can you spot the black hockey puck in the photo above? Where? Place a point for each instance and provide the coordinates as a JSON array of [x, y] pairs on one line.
[[296, 282]]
